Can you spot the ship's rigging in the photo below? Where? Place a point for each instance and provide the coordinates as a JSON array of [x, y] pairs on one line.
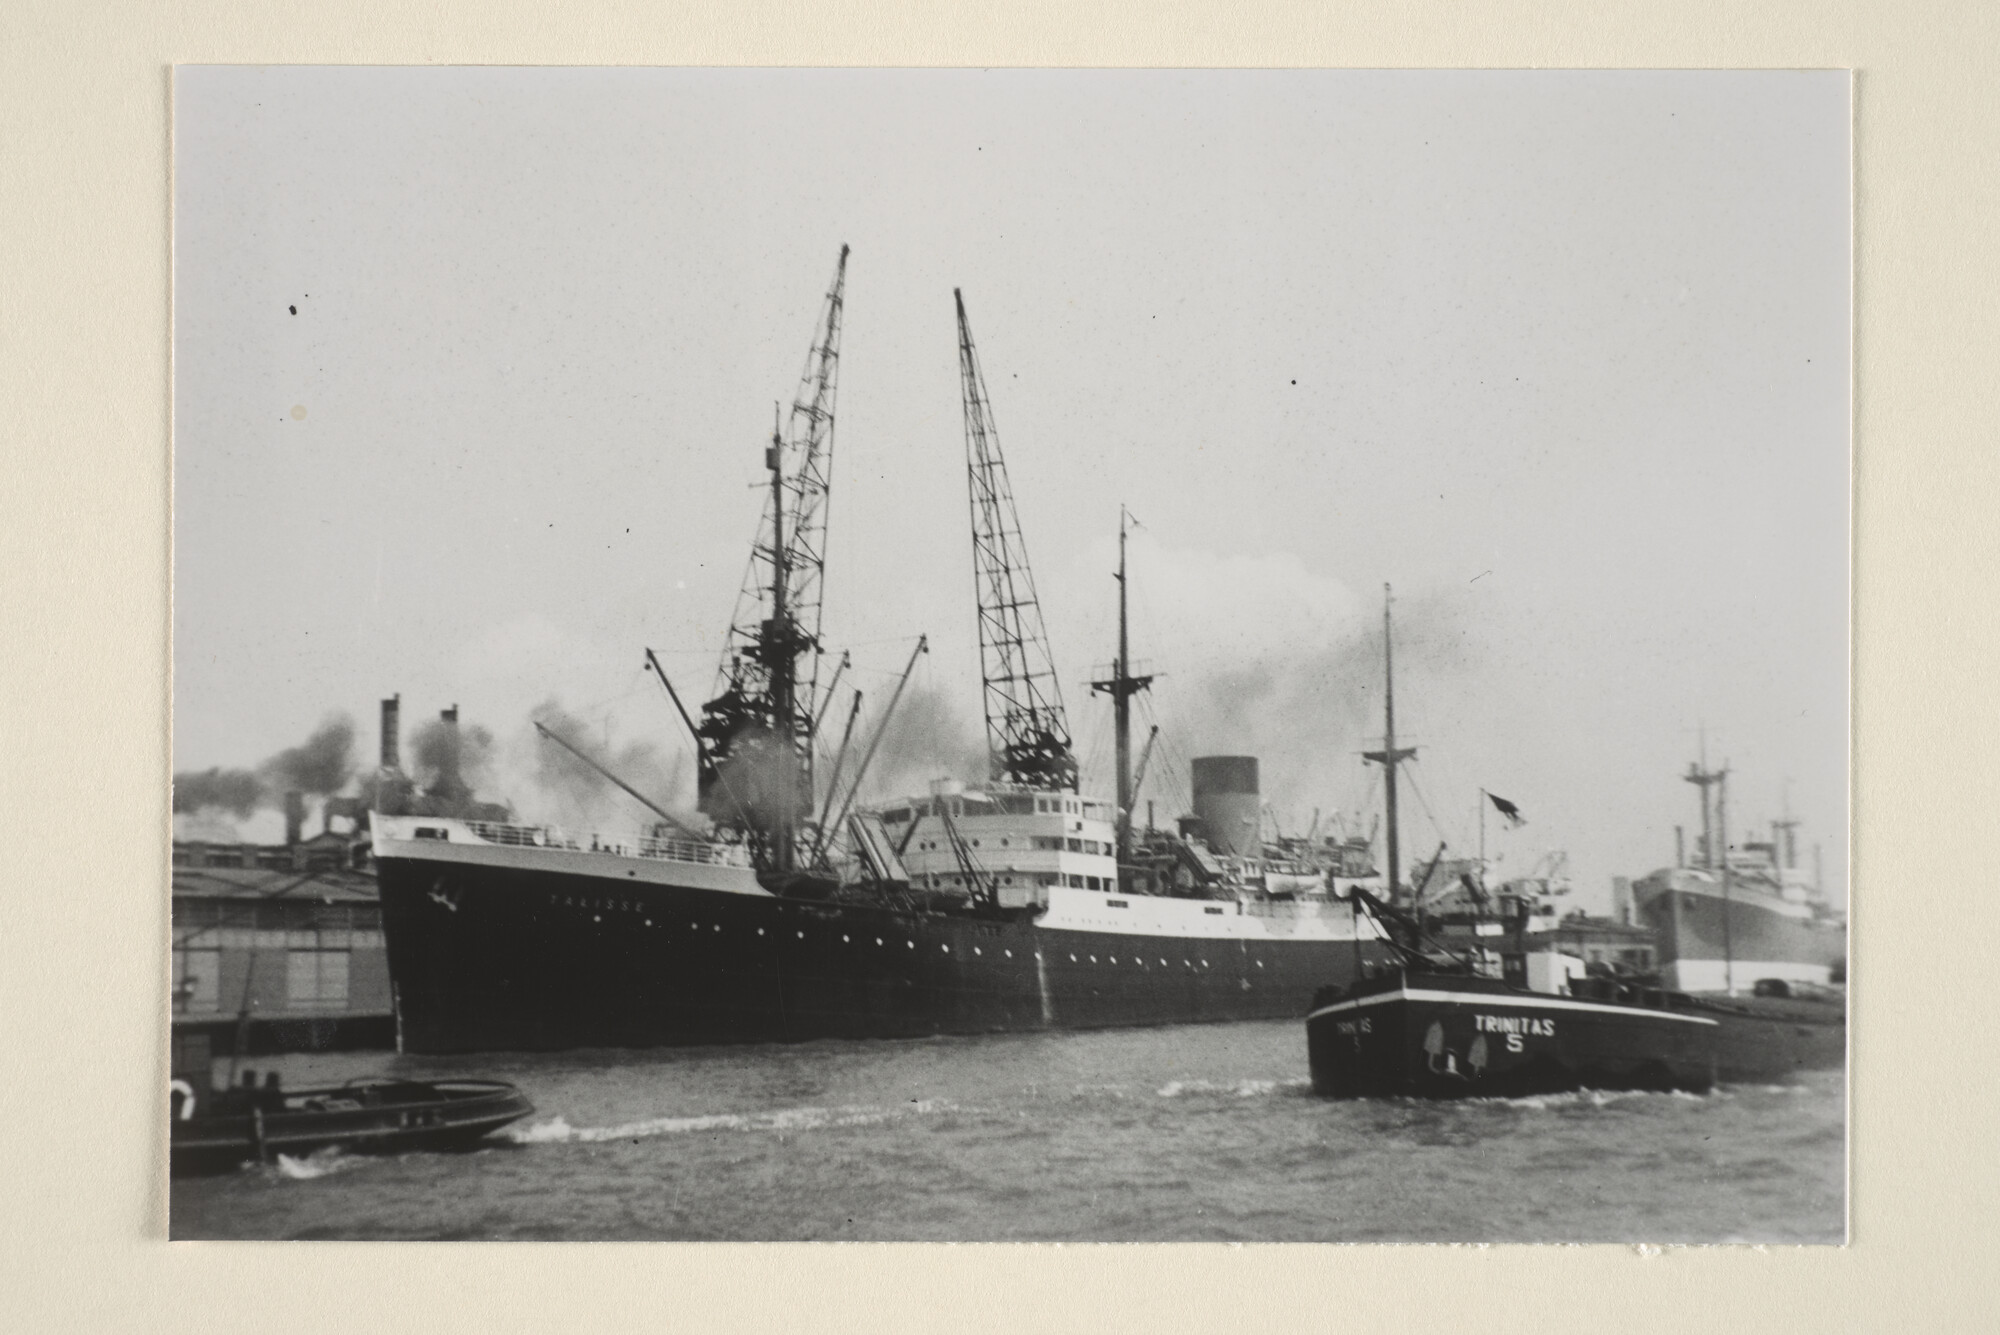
[[1121, 686], [755, 749], [1390, 756], [1027, 733]]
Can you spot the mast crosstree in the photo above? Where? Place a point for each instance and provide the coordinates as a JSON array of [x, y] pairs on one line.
[[755, 766], [1027, 733]]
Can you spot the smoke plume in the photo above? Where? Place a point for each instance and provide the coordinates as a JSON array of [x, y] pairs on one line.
[[928, 738], [1307, 714], [321, 765], [572, 793], [238, 791], [446, 755]]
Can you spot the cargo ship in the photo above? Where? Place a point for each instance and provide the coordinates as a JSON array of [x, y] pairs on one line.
[[1009, 901], [1738, 916]]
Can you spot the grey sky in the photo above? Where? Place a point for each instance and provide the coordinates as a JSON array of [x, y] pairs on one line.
[[1563, 356]]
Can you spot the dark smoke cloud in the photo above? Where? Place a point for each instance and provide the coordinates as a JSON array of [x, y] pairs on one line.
[[441, 750], [322, 765], [239, 791]]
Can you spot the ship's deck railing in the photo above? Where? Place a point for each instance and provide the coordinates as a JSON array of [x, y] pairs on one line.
[[663, 850]]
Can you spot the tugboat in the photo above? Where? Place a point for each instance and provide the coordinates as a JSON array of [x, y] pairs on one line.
[[1423, 1031], [218, 1130], [1439, 1025]]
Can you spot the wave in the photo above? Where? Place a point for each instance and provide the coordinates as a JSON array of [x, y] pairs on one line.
[[1575, 1098], [558, 1131], [320, 1163], [1243, 1089]]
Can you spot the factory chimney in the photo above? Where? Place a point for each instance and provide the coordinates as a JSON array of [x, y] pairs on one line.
[[1621, 899], [295, 817], [449, 786], [392, 715]]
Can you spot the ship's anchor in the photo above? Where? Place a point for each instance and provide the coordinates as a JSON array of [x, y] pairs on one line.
[[439, 894]]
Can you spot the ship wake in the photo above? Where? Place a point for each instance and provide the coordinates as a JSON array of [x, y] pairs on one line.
[[558, 1131]]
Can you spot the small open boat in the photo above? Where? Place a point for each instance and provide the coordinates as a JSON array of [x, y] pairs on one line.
[[220, 1130]]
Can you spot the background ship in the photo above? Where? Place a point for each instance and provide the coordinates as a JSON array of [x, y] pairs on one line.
[[1727, 922], [1011, 902]]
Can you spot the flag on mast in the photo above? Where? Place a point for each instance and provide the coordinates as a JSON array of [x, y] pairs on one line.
[[1507, 809]]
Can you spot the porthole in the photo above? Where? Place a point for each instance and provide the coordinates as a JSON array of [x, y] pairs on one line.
[[1009, 954], [760, 931], [878, 940], [802, 936], [649, 922], [694, 927], [945, 948], [977, 951], [716, 928], [1114, 959], [1072, 958], [1163, 964], [596, 917], [910, 944], [1093, 959], [1260, 964], [845, 937]]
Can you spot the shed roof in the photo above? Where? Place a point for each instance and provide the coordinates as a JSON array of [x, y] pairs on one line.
[[333, 886]]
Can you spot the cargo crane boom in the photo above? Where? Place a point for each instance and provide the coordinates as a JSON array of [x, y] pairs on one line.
[[1027, 733], [754, 742]]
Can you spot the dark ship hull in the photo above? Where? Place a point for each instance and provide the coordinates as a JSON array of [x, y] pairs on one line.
[[494, 957], [1450, 1037]]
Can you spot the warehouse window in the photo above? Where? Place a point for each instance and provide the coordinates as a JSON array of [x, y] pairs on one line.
[[195, 975], [316, 977]]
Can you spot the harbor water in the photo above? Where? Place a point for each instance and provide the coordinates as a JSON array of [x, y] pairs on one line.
[[1199, 1133]]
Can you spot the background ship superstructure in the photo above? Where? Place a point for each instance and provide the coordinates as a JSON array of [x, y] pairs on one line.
[[1742, 911]]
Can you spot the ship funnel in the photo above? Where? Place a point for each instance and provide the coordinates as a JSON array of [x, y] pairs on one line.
[[1227, 803]]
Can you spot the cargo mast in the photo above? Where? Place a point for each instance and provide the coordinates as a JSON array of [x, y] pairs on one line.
[[1389, 756], [1121, 686], [755, 763], [1027, 735]]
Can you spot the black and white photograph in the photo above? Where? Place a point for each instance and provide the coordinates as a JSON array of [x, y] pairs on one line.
[[1098, 656]]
